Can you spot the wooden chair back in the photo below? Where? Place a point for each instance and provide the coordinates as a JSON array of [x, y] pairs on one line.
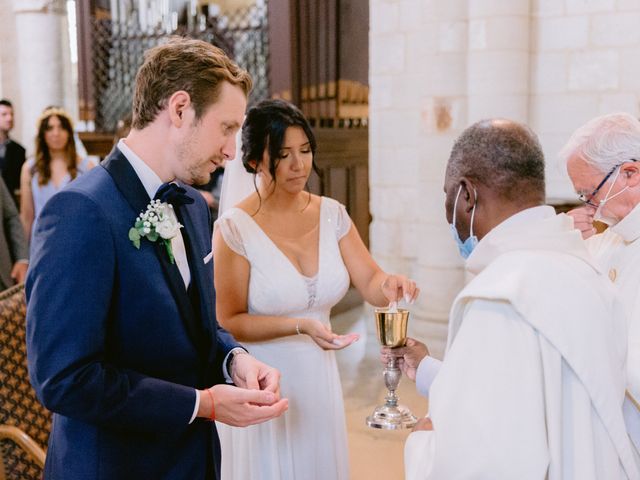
[[24, 422]]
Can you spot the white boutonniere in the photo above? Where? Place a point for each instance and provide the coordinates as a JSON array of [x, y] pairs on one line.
[[156, 223]]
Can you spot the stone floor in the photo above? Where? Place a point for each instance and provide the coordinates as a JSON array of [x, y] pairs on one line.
[[374, 454]]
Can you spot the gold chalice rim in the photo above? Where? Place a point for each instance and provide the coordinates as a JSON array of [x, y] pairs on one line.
[[386, 310]]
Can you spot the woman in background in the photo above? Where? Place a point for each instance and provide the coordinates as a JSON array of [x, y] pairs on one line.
[[283, 258], [55, 164]]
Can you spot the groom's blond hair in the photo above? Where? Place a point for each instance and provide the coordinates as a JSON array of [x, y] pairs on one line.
[[193, 66]]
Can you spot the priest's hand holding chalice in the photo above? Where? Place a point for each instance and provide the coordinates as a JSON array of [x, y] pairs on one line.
[[391, 329]]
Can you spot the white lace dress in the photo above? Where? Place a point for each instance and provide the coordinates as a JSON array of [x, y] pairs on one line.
[[308, 442]]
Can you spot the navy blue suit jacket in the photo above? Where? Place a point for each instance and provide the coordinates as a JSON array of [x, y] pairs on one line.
[[116, 345]]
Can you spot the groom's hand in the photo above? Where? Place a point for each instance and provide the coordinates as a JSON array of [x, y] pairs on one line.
[[248, 372], [240, 407]]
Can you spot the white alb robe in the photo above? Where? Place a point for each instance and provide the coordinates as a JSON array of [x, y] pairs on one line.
[[533, 380], [617, 251]]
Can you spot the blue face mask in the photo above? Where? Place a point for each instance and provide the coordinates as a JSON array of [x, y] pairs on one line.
[[470, 243]]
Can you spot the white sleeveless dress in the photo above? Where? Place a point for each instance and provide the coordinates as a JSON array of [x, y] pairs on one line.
[[308, 442]]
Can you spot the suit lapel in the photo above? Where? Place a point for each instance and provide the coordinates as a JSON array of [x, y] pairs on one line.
[[197, 268], [126, 180], [202, 279], [176, 285], [131, 188]]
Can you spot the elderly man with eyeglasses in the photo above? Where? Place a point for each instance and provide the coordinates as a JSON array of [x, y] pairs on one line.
[[602, 162]]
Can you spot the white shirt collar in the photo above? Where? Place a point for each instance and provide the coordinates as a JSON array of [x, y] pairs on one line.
[[150, 179], [629, 227], [527, 215]]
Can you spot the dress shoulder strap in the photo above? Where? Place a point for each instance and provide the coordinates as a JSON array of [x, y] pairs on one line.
[[338, 216], [230, 228]]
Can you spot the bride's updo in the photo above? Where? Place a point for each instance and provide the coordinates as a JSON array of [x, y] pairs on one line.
[[264, 127]]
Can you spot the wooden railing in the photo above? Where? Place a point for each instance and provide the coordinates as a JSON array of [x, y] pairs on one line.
[[338, 104]]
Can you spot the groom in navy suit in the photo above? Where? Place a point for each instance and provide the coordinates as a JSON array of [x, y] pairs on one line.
[[123, 343]]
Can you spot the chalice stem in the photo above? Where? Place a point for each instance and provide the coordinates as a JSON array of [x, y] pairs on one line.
[[392, 376], [392, 362]]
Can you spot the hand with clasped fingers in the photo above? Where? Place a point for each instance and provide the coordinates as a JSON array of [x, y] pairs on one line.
[[409, 356], [323, 336], [583, 220], [255, 398]]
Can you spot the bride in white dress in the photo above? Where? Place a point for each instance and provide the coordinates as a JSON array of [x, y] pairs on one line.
[[283, 258]]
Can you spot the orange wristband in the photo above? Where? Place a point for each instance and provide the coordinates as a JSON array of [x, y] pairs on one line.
[[212, 416]]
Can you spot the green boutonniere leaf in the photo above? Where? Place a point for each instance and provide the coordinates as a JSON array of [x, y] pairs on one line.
[[167, 244], [134, 236]]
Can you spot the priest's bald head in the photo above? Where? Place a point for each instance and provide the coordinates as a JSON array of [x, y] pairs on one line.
[[495, 170]]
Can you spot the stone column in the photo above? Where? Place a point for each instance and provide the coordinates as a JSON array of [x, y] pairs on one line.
[[41, 35], [498, 62], [443, 115], [417, 108]]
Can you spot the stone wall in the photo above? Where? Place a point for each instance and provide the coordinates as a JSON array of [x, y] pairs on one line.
[[584, 62], [438, 66]]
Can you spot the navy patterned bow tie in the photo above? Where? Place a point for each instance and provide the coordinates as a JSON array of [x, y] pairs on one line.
[[173, 194]]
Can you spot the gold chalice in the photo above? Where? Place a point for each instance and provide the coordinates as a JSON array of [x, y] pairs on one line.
[[391, 328]]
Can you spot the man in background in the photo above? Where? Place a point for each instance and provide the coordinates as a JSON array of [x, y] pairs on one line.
[[603, 162], [14, 249], [12, 154]]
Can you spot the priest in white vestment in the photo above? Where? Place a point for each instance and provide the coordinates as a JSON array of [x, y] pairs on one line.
[[603, 162], [533, 380]]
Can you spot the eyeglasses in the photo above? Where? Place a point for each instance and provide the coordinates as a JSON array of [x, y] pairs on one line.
[[586, 199]]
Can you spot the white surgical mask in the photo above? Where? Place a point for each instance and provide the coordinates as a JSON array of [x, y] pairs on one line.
[[470, 243], [598, 216]]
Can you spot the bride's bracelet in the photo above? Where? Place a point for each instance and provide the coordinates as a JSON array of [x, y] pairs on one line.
[[298, 327]]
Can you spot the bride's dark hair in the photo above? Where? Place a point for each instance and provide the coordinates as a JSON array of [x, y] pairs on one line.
[[265, 127]]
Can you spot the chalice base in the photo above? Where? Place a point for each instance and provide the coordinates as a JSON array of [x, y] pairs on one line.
[[392, 418]]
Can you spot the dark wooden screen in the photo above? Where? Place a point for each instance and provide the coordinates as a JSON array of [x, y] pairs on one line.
[[111, 47], [321, 65], [312, 52]]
